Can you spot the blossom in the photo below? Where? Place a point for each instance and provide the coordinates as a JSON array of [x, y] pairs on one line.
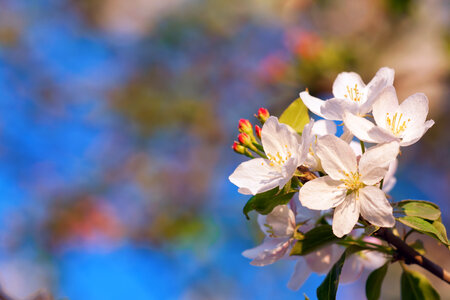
[[318, 129], [389, 179], [279, 227], [350, 94], [349, 185], [285, 152], [405, 123]]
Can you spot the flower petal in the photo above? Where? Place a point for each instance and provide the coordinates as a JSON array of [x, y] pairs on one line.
[[347, 135], [366, 131], [336, 156], [374, 163], [345, 81], [414, 108], [312, 103], [335, 108], [375, 208], [389, 178], [257, 176], [301, 273], [279, 140], [321, 260], [268, 252], [385, 103], [383, 78], [352, 269], [412, 135], [346, 215], [281, 222], [323, 127], [322, 193]]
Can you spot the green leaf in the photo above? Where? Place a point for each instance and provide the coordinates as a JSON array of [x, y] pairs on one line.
[[328, 289], [375, 281], [296, 115], [265, 202], [416, 286], [435, 229], [422, 209], [314, 239]]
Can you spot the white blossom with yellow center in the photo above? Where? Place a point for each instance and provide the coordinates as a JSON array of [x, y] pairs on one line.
[[350, 94], [285, 151], [405, 123], [350, 186]]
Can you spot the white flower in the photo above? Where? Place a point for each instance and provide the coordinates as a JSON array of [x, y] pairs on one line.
[[350, 94], [349, 186], [405, 123], [318, 129], [356, 263], [285, 153], [389, 179], [279, 227]]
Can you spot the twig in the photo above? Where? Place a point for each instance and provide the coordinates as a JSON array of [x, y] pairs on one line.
[[411, 256]]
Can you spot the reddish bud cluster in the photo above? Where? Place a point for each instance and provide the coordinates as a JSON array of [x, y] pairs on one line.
[[245, 126], [263, 115], [258, 131]]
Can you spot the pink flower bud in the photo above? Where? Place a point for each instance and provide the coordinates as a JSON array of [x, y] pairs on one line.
[[245, 126], [258, 131], [263, 115], [245, 139], [238, 148]]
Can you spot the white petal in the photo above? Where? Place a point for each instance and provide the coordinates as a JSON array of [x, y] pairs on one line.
[[244, 191], [323, 127], [335, 108], [312, 103], [345, 81], [301, 273], [373, 259], [321, 260], [257, 176], [347, 135], [383, 78], [336, 156], [281, 221], [352, 269], [366, 131], [305, 214], [389, 178], [385, 103], [268, 252], [346, 215], [288, 169], [375, 208], [412, 135], [322, 193], [414, 108], [279, 139], [307, 139], [374, 163]]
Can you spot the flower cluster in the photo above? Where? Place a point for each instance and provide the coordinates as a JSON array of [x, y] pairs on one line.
[[338, 182]]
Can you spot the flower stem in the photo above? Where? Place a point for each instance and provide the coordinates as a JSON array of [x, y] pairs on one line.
[[363, 148]]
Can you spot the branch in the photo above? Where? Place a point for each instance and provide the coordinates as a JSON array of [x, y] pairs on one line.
[[410, 255]]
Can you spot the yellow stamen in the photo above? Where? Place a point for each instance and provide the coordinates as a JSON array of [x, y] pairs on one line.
[[353, 93], [395, 125]]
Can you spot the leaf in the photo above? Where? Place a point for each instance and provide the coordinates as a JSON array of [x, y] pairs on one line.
[[422, 209], [435, 229], [265, 202], [416, 286], [328, 288], [375, 281], [314, 239], [296, 115]]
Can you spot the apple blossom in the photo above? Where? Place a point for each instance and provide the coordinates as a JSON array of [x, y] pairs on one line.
[[319, 128], [350, 94], [405, 123], [349, 185], [285, 152]]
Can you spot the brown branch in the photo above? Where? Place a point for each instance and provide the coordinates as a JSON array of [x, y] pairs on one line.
[[411, 256]]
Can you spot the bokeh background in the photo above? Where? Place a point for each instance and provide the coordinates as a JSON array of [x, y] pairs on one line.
[[117, 119]]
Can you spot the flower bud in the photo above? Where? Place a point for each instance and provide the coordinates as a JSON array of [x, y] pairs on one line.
[[245, 139], [238, 148], [258, 131], [245, 126], [263, 115]]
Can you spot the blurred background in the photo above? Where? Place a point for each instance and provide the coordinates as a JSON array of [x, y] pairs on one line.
[[117, 119]]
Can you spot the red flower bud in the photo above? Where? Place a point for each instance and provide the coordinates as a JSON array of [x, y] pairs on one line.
[[245, 139], [263, 115], [258, 131], [238, 148], [245, 126]]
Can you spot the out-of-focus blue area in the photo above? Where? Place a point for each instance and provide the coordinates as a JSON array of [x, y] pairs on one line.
[[73, 129]]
